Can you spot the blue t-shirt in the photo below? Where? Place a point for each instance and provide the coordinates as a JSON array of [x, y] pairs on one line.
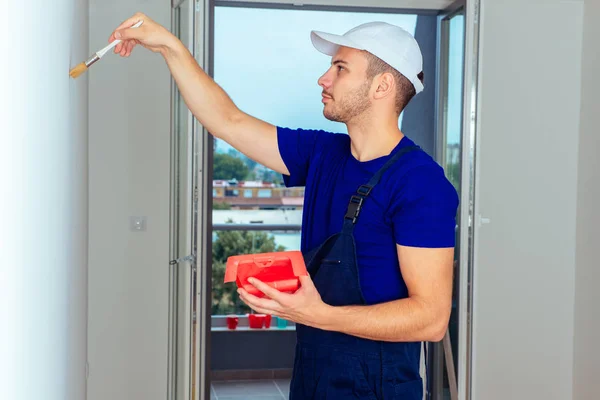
[[413, 204]]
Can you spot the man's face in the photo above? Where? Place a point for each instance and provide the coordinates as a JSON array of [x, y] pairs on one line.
[[345, 86]]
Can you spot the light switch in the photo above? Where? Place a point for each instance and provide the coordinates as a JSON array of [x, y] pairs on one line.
[[137, 224]]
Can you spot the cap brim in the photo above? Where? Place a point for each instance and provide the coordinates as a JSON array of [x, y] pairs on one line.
[[328, 43]]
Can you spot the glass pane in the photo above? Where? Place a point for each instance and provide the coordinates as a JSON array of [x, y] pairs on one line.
[[454, 99], [453, 107], [264, 59], [283, 91]]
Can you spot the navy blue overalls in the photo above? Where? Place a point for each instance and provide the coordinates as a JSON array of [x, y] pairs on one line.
[[332, 365]]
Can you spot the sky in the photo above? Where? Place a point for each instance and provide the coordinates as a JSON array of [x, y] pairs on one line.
[[455, 65], [265, 61]]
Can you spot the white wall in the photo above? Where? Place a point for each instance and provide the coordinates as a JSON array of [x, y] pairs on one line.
[[43, 201], [586, 384], [524, 275], [129, 176]]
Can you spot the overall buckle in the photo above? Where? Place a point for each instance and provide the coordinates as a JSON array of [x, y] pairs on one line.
[[354, 208], [364, 190]]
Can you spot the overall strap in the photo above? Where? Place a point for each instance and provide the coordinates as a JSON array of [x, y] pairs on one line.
[[356, 201]]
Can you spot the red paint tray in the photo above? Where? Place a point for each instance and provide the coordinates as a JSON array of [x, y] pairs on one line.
[[278, 269]]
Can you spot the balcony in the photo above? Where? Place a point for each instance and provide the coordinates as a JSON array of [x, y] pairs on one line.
[[241, 367]]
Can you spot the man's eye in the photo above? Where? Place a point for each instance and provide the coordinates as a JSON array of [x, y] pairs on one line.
[[340, 68]]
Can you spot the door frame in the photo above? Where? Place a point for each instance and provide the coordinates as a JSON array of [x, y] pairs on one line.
[[469, 173], [202, 155], [183, 226], [469, 176]]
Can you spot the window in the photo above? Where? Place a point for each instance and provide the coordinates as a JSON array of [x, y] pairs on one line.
[[265, 61], [264, 193], [453, 116], [451, 112]]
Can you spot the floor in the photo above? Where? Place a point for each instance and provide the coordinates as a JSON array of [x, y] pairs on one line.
[[275, 389]]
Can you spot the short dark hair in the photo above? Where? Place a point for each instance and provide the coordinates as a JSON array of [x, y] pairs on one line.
[[405, 90]]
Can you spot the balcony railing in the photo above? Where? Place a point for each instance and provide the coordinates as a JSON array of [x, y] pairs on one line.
[[257, 227]]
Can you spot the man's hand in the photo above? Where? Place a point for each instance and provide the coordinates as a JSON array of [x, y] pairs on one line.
[[304, 306], [150, 34]]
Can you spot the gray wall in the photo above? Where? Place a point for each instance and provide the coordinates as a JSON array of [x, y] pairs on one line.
[[43, 201], [235, 350], [586, 368], [525, 263], [129, 124]]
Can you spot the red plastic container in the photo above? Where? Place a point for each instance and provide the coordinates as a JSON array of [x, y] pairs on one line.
[[232, 321], [278, 269], [256, 321]]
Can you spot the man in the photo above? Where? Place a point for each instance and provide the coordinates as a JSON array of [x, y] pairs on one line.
[[379, 216]]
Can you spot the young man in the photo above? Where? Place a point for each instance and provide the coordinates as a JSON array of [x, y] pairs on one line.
[[379, 214]]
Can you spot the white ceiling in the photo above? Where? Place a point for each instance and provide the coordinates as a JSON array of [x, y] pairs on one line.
[[403, 4]]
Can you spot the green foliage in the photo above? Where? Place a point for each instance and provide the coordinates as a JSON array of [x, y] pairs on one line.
[[228, 167], [453, 174], [270, 176], [221, 206], [248, 161]]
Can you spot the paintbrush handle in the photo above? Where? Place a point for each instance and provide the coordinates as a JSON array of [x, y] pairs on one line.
[[115, 42]]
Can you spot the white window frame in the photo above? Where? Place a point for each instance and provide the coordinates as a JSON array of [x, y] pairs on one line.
[[203, 35]]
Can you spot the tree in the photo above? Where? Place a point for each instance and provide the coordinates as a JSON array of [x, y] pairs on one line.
[[225, 299], [227, 167], [453, 174], [221, 206], [248, 161]]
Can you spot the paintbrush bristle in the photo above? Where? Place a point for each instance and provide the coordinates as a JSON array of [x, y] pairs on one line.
[[78, 70]]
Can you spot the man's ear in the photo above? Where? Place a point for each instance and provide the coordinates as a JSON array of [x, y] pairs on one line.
[[385, 85]]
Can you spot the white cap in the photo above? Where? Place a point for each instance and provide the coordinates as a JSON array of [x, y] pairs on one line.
[[388, 42]]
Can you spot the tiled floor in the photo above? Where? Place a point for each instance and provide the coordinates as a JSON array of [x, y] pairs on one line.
[[277, 389]]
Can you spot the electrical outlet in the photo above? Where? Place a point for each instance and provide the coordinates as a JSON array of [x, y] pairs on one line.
[[137, 224]]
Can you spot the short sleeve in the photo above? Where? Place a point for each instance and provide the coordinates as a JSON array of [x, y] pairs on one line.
[[297, 147], [424, 215]]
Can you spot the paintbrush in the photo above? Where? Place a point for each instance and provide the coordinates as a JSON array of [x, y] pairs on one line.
[[81, 68]]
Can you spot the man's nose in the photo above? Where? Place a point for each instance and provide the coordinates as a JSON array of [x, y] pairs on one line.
[[325, 80]]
